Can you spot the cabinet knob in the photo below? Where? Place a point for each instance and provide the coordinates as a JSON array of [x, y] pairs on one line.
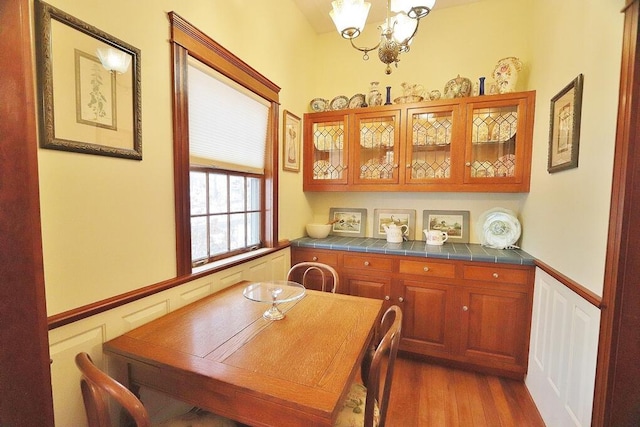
[[315, 258], [396, 166], [468, 164], [495, 275], [408, 166], [426, 269], [400, 299], [465, 308], [366, 263], [387, 298]]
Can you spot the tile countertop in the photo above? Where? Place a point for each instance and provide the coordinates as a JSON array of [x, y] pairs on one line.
[[418, 248]]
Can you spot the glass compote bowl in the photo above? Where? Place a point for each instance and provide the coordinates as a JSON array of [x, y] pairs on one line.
[[274, 292]]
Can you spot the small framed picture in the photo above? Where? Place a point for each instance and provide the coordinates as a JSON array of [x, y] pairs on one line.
[[455, 223], [399, 217], [291, 135], [564, 127], [348, 221]]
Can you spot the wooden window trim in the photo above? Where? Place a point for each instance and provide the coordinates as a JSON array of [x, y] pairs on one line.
[[186, 40]]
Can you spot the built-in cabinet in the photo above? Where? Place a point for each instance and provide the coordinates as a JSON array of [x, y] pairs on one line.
[[477, 144], [465, 313]]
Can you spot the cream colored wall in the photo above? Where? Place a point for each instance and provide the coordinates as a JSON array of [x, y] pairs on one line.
[[466, 40], [566, 214], [107, 223]]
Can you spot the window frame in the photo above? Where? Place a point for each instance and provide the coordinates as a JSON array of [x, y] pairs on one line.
[[187, 40]]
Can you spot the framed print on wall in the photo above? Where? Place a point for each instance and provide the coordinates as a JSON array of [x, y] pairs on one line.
[[455, 223], [348, 221], [398, 217], [291, 134], [564, 127], [89, 87]]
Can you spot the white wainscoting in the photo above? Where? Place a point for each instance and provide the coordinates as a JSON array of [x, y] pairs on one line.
[[562, 353], [88, 334]]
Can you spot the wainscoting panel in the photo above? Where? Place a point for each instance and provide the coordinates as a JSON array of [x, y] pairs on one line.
[[563, 351], [89, 334]]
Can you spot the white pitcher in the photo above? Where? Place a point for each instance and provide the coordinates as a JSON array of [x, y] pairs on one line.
[[435, 237], [395, 233]]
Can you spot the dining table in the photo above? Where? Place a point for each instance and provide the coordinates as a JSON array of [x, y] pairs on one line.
[[221, 354]]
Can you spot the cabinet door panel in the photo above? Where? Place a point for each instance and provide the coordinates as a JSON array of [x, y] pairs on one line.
[[369, 287], [427, 317], [497, 325]]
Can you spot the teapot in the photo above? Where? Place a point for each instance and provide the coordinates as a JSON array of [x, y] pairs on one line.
[[395, 233]]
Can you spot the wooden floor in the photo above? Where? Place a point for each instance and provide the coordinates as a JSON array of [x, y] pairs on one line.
[[426, 395]]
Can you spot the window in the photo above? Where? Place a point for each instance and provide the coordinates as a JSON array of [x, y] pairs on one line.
[[226, 213], [225, 203]]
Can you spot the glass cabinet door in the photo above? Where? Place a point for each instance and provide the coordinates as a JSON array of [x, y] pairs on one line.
[[429, 135], [492, 154], [328, 152], [375, 149]]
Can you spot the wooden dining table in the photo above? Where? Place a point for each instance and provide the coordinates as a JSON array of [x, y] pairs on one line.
[[220, 354]]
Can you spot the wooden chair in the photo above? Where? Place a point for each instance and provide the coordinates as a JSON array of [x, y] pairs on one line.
[[97, 387], [328, 274], [375, 396]]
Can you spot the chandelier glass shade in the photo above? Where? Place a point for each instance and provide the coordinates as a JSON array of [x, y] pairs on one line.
[[396, 33]]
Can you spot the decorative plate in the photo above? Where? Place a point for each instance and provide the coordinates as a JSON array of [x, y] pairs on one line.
[[357, 101], [505, 165], [339, 102], [322, 169], [318, 105], [499, 228]]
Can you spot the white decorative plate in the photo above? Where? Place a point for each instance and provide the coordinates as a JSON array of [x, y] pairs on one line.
[[322, 169], [339, 103], [498, 228], [357, 101], [318, 105]]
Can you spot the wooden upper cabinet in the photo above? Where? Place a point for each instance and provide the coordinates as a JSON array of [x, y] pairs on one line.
[[477, 144]]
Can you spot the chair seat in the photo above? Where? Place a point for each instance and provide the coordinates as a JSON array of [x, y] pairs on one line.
[[198, 418], [352, 413]]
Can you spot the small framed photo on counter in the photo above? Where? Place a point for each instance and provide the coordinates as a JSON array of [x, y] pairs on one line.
[[398, 217], [348, 221], [455, 223]]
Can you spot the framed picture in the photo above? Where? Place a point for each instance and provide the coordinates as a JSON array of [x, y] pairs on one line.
[[455, 223], [292, 134], [348, 221], [398, 217], [99, 74], [564, 127]]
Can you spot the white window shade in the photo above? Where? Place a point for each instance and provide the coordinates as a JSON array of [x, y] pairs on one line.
[[227, 123]]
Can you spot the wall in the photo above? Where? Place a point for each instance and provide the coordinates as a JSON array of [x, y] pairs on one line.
[[108, 224], [463, 40], [568, 212]]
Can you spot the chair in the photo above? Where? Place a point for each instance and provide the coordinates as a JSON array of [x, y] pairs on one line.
[[375, 403], [97, 387], [323, 269]]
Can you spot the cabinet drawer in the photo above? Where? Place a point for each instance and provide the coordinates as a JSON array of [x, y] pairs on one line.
[[496, 274], [367, 262], [428, 268], [328, 257]]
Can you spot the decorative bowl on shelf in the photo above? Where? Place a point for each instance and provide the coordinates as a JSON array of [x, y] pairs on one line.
[[408, 99], [318, 231]]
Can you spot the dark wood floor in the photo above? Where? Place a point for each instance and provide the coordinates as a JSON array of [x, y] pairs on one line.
[[427, 395]]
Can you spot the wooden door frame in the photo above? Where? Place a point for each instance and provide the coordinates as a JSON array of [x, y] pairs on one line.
[[25, 378], [616, 399]]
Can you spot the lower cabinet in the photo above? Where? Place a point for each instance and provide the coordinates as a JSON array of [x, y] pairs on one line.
[[468, 314]]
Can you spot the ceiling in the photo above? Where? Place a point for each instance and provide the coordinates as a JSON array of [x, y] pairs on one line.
[[317, 11]]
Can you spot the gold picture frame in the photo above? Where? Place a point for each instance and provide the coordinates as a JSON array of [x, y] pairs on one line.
[[291, 136], [105, 118], [564, 127]]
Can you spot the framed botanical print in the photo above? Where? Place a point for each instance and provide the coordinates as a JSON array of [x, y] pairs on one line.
[[291, 135], [564, 127]]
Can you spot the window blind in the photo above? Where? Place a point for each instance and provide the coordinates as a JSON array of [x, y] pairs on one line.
[[227, 123]]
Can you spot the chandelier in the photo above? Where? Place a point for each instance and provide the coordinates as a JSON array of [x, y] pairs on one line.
[[397, 31]]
